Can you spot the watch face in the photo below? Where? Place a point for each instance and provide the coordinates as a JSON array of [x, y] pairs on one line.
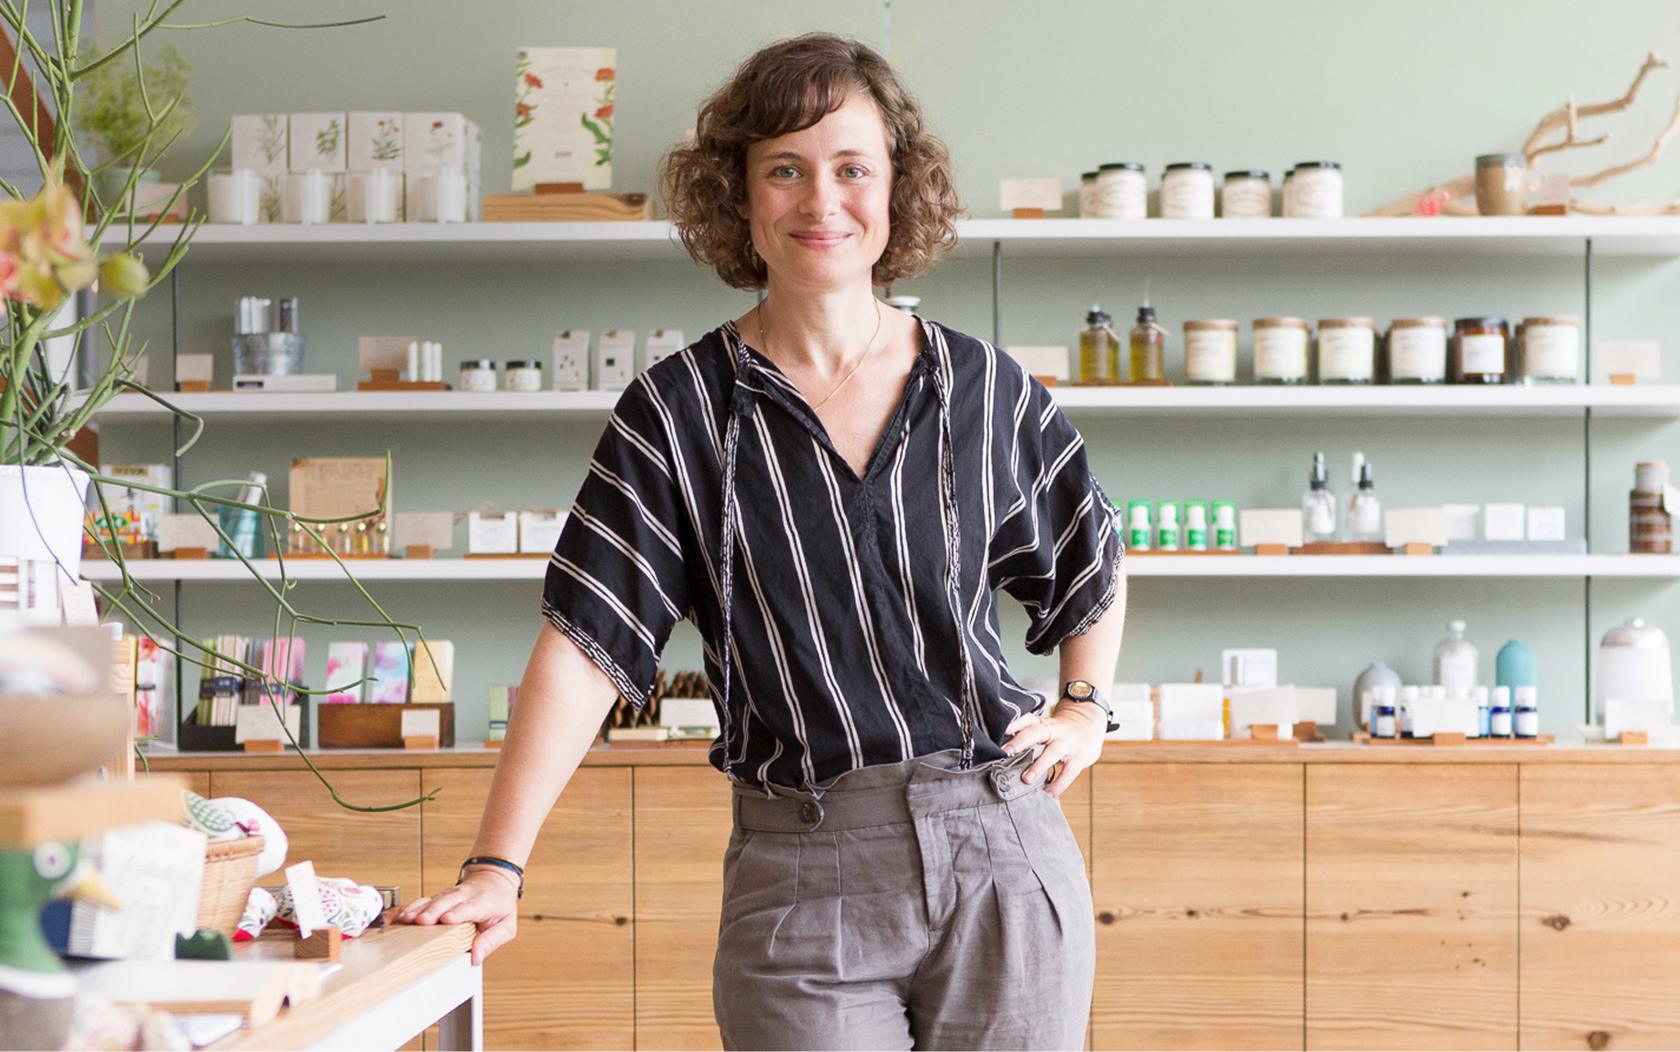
[[1079, 689]]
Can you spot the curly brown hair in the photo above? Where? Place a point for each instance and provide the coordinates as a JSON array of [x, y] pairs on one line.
[[787, 87]]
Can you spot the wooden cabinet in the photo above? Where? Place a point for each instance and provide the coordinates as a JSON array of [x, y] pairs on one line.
[[1411, 884], [568, 980], [682, 828], [1196, 875], [374, 848], [1601, 906]]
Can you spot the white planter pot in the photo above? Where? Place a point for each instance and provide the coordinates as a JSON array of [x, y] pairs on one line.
[[41, 512]]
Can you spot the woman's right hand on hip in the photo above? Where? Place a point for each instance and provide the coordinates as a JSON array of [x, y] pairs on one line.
[[484, 898]]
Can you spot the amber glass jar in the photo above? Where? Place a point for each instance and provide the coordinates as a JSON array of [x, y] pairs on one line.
[[1480, 352]]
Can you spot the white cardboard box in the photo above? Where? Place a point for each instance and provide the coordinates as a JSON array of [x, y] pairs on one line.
[[1546, 523], [1041, 361], [1192, 701], [376, 141], [1463, 521], [615, 359], [260, 142], [1275, 706], [318, 142], [1502, 522], [1136, 721], [539, 531], [1250, 667], [570, 364], [492, 533], [1435, 715], [661, 344]]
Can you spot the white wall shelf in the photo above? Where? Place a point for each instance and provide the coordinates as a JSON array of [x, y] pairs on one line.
[[1137, 565], [1562, 236], [1079, 402]]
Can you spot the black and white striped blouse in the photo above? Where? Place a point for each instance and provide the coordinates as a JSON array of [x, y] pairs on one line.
[[840, 596]]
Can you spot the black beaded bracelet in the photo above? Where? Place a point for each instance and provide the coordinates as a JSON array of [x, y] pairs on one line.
[[501, 863]]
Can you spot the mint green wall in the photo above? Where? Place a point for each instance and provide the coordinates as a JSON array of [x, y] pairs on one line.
[[1402, 95]]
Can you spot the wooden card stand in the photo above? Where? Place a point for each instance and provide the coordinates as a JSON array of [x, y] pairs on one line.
[[1048, 381], [264, 745], [506, 555], [1028, 213], [565, 202], [1451, 738], [1634, 738], [1623, 379], [1264, 732], [373, 726], [130, 550], [323, 945], [1418, 548], [420, 741], [198, 386], [190, 553], [1271, 549], [1342, 548], [419, 551], [494, 743], [1307, 731]]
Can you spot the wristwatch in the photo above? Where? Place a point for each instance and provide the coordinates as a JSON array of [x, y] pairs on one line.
[[1080, 690]]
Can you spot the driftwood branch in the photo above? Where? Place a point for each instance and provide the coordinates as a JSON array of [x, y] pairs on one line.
[[1557, 131]]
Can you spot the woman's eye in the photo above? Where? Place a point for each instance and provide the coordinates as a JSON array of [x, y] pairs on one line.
[[853, 171], [786, 171]]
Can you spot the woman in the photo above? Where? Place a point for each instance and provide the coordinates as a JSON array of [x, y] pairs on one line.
[[833, 490]]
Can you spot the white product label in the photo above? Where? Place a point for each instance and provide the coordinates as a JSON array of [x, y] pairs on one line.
[[1551, 351], [1280, 354], [1321, 519], [1187, 194], [1246, 199], [1458, 671], [1210, 356], [1482, 354], [1418, 354], [1346, 354]]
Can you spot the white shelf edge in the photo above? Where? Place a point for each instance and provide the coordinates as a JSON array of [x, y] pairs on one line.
[[1653, 400], [1137, 565], [656, 239]]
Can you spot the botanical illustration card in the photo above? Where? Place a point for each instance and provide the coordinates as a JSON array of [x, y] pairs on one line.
[[563, 116]]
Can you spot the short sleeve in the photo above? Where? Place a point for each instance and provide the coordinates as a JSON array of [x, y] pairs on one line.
[[1056, 547], [616, 582]]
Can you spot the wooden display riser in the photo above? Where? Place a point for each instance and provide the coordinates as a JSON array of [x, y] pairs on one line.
[[1451, 739]]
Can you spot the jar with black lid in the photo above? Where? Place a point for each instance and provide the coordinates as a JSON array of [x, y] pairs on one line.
[[1480, 352]]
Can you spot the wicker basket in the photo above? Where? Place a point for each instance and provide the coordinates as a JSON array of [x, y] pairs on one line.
[[230, 872]]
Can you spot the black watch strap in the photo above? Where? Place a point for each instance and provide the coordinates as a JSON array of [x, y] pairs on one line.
[[1081, 690], [499, 863]]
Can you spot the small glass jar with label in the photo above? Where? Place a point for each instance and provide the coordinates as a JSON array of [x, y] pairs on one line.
[[478, 375], [1480, 351], [1246, 195], [1383, 723], [1347, 350], [1313, 190], [1525, 722], [1210, 351], [1122, 191], [1137, 525], [1087, 195], [1225, 525], [1417, 350], [1549, 350], [523, 375], [1280, 350], [1187, 191]]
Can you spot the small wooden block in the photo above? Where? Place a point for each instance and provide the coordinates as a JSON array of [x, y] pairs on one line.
[[420, 741], [401, 385], [1029, 213], [265, 745], [386, 376], [1271, 549], [419, 551], [191, 553], [1306, 731], [1549, 210], [1342, 548], [506, 555], [559, 188], [1447, 738], [1418, 548], [1048, 381], [1263, 732], [1634, 738], [323, 945], [1623, 379], [193, 385], [494, 743]]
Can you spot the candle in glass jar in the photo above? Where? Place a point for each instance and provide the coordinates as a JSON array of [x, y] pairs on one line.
[[1210, 351], [1313, 190], [1549, 349], [1122, 191], [1417, 350], [1347, 350], [1187, 191], [1280, 350], [1479, 351], [1246, 195]]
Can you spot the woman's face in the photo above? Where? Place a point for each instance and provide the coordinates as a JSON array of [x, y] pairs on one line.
[[818, 200]]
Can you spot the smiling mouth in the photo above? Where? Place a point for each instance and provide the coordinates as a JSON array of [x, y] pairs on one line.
[[820, 240]]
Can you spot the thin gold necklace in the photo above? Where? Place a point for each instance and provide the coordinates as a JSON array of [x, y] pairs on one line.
[[765, 340]]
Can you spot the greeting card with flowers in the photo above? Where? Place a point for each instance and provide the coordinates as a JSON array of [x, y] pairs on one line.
[[563, 116]]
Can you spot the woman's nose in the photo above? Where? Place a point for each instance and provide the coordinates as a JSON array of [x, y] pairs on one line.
[[820, 198]]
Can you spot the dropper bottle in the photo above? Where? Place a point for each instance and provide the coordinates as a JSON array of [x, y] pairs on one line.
[[1148, 346], [1318, 506]]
